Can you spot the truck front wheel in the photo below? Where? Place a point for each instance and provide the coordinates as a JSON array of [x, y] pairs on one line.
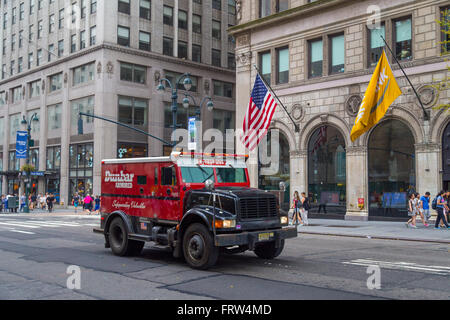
[[119, 242], [198, 247], [267, 250]]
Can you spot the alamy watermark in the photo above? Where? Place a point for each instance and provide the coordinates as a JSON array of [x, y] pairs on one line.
[[374, 280], [74, 280]]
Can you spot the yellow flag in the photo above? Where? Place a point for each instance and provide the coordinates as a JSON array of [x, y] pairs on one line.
[[381, 92]]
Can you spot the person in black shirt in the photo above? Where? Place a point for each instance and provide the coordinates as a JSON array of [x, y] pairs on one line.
[[50, 200]]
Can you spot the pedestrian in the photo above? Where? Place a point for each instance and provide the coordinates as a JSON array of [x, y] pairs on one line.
[[97, 205], [50, 200], [22, 202], [76, 201], [419, 211], [33, 201], [440, 210], [305, 208], [446, 197], [43, 201], [1, 203], [296, 206], [425, 201], [412, 211], [88, 203]]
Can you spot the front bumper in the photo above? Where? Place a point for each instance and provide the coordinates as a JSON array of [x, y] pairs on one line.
[[253, 237]]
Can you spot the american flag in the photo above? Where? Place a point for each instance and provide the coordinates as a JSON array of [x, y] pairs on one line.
[[259, 115], [320, 138]]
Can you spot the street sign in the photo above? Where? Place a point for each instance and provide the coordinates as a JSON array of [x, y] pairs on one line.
[[192, 130], [21, 145], [37, 173]]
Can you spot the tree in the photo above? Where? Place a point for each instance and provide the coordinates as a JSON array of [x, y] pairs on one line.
[[444, 24]]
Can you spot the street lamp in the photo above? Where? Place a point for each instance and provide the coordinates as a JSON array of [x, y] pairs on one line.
[[34, 118], [187, 83], [198, 112]]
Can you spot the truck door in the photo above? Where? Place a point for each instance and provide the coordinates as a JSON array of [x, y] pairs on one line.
[[170, 207]]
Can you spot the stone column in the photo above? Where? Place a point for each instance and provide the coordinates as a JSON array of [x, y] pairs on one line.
[[299, 172], [428, 157], [65, 139], [357, 183]]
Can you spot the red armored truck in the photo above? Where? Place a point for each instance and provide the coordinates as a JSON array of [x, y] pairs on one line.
[[197, 204]]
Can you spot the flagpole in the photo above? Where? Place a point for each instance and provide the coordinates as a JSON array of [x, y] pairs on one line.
[[297, 129], [425, 113]]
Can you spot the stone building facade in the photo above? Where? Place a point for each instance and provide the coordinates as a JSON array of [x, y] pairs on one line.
[[318, 57], [105, 57]]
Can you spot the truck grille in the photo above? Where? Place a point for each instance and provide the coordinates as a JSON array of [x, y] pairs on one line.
[[254, 208]]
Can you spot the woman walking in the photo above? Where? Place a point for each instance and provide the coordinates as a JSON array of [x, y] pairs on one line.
[[305, 208], [412, 211], [76, 201], [97, 205], [440, 210], [296, 206], [88, 203]]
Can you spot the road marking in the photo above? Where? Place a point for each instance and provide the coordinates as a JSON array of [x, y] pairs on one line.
[[19, 225], [405, 266], [20, 231]]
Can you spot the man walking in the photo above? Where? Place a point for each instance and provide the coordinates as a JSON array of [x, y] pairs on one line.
[[426, 206]]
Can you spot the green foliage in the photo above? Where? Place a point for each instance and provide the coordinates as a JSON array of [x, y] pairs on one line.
[[444, 24], [27, 168]]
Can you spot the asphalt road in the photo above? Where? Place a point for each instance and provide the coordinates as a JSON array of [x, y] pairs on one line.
[[35, 253]]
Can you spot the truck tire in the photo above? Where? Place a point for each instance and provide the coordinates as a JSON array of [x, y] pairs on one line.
[[119, 242], [267, 250], [198, 247]]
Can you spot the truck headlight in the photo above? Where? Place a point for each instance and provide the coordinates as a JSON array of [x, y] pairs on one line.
[[225, 224], [284, 220]]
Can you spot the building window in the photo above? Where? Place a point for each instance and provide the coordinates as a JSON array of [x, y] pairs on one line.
[[124, 6], [337, 47], [315, 58], [145, 11], [231, 61], [55, 82], [53, 158], [445, 28], [82, 39], [123, 36], [83, 73], [144, 41], [83, 9], [2, 103], [13, 42], [92, 35], [132, 150], [223, 89], [182, 50], [34, 89], [196, 23], [282, 65], [216, 58], [61, 19], [85, 105], [93, 6], [54, 116], [182, 19], [51, 48], [60, 48], [11, 69], [265, 8], [167, 46], [282, 5], [81, 163], [14, 126], [232, 7], [376, 44], [168, 15], [20, 38], [216, 27], [133, 111], [31, 7], [223, 120], [14, 11], [51, 23], [73, 43], [30, 32], [133, 73], [21, 11], [20, 65], [217, 4], [196, 53], [403, 39], [30, 60], [265, 65]]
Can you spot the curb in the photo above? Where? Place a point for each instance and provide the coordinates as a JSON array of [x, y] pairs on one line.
[[376, 237]]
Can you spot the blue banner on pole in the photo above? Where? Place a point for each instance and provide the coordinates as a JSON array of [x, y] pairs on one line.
[[21, 145]]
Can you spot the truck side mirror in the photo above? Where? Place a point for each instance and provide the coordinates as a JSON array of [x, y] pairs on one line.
[[209, 184]]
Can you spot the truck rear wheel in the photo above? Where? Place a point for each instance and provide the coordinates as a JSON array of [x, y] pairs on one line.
[[198, 247], [267, 250], [119, 242]]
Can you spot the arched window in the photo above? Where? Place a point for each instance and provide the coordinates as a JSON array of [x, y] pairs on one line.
[[446, 157], [327, 171], [391, 169]]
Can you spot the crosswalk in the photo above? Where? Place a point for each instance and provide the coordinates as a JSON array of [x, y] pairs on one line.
[[405, 266], [32, 226]]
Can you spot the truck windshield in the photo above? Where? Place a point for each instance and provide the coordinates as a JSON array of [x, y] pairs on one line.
[[196, 174], [231, 175]]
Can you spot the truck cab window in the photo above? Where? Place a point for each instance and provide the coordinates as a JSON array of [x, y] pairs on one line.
[[168, 176], [142, 180]]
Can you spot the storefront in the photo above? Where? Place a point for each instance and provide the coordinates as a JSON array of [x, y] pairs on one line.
[[391, 167], [327, 171], [81, 165]]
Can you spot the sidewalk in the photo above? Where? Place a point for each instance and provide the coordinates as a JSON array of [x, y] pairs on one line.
[[57, 212], [376, 230]]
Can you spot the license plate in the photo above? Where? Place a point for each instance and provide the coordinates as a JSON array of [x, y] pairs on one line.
[[265, 236]]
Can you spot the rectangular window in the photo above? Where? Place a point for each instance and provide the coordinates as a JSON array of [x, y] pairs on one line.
[[85, 105], [39, 57], [315, 58], [145, 9], [168, 176], [167, 46], [403, 39], [337, 47], [216, 27], [265, 8], [196, 53], [83, 73], [182, 19], [196, 23], [217, 4], [51, 23], [133, 111], [82, 39], [22, 11], [93, 36], [282, 5], [55, 82], [133, 73], [93, 6], [231, 61], [13, 20], [124, 6], [54, 116], [16, 94], [11, 69], [168, 15], [232, 7], [83, 9], [61, 19], [73, 43], [51, 48], [34, 89], [376, 44], [265, 65], [445, 30], [20, 38], [60, 48], [282, 65], [53, 158], [31, 7], [20, 65], [216, 58], [144, 41], [182, 50], [13, 42], [30, 32], [223, 89], [30, 60], [123, 36]]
